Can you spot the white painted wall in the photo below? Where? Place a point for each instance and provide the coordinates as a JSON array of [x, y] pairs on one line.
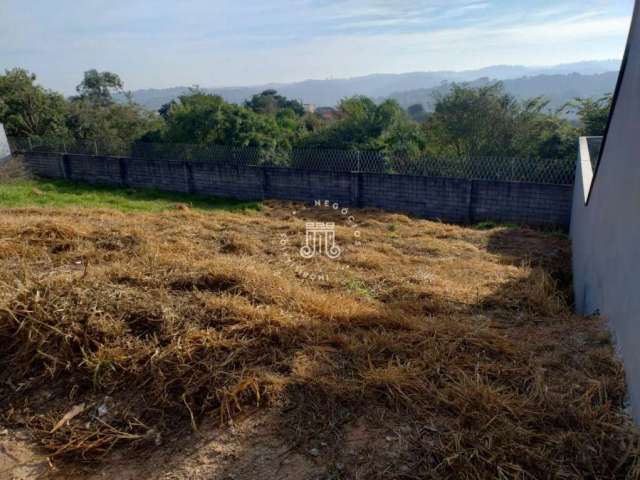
[[605, 232], [5, 152]]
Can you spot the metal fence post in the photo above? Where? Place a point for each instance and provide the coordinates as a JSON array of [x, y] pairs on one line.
[[30, 144]]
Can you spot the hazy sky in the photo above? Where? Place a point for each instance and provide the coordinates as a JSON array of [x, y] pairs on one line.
[[245, 42]]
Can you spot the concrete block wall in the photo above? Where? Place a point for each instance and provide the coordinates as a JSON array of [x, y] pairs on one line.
[[241, 183], [308, 185], [47, 165], [457, 200], [519, 202], [101, 170], [161, 174], [429, 197]]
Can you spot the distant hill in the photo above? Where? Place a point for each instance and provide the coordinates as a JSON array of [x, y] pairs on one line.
[[330, 91], [558, 88]]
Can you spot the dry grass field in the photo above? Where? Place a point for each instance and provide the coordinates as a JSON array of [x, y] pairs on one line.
[[200, 344]]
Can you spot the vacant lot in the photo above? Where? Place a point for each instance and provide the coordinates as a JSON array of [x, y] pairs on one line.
[[192, 344]]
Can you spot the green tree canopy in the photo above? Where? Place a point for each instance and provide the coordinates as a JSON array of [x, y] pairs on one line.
[[540, 134], [269, 102], [473, 121], [27, 109], [417, 112], [367, 126], [202, 118], [94, 115], [486, 121], [115, 125], [98, 87], [467, 121], [592, 113]]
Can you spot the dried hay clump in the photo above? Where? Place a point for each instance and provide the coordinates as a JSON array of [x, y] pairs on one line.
[[147, 337], [13, 169]]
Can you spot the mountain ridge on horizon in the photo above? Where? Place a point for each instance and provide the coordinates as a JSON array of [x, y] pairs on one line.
[[329, 92]]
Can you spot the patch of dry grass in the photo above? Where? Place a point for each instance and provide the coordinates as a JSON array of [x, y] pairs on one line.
[[153, 322], [13, 169]]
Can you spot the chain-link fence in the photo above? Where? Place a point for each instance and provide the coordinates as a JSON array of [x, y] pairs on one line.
[[556, 171]]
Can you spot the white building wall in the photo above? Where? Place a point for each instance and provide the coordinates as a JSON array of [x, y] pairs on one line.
[[605, 232], [5, 152]]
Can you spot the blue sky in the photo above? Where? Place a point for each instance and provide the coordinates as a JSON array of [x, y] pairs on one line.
[[246, 42]]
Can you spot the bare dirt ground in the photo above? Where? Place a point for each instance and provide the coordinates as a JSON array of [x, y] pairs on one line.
[[195, 345]]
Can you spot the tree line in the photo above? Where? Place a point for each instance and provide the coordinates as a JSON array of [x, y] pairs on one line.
[[466, 121]]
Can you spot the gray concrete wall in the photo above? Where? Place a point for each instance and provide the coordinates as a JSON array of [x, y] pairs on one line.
[[449, 199], [605, 232]]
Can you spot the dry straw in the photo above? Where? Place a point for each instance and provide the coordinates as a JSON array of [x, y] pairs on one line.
[[143, 325]]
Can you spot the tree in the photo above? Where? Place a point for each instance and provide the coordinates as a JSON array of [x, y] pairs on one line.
[[593, 114], [362, 125], [27, 109], [404, 143], [116, 126], [483, 121], [207, 119], [269, 102], [417, 112], [94, 115], [166, 108], [98, 87], [486, 121], [473, 122], [543, 135]]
